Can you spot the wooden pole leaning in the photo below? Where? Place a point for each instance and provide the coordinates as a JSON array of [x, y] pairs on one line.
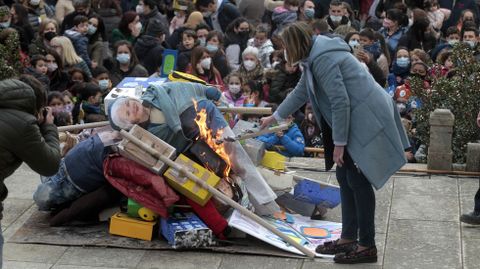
[[247, 110], [182, 170], [76, 127]]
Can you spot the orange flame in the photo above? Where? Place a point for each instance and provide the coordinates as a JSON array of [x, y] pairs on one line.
[[206, 134]]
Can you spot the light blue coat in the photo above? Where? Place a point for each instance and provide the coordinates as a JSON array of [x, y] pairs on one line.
[[363, 117]]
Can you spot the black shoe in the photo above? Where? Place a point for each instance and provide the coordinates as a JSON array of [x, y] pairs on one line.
[[333, 247], [472, 218], [368, 255]]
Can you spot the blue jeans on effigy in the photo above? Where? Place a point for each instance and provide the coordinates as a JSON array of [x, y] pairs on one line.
[[56, 190], [358, 204]]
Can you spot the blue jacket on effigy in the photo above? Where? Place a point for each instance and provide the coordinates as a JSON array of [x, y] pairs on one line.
[[292, 140], [174, 98]]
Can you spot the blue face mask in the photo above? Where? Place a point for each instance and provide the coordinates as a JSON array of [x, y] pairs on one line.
[[212, 48], [103, 84], [123, 58], [403, 62], [309, 13], [353, 43]]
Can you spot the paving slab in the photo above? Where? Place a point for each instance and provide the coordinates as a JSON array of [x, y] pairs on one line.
[[468, 186], [424, 207], [179, 260], [255, 262], [80, 267], [317, 265], [13, 209], [102, 257], [471, 250], [23, 183], [422, 244], [424, 186], [25, 265], [33, 253]]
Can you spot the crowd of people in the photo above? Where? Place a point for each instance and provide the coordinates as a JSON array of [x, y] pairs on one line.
[[77, 51], [80, 49]]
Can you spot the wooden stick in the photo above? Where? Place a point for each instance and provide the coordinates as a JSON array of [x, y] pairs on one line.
[[255, 134], [307, 149], [247, 110], [83, 126], [439, 172], [182, 170]]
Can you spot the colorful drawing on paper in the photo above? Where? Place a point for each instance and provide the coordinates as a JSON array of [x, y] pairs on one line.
[[309, 233]]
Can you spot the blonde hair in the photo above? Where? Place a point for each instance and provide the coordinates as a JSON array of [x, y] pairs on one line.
[[69, 56], [44, 23], [297, 41]]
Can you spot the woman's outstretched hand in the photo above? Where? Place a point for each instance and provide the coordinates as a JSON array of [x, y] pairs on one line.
[[267, 121]]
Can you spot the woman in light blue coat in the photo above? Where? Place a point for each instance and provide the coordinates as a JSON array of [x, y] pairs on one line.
[[362, 131]]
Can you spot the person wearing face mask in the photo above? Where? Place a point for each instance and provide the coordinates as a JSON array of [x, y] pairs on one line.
[[149, 47], [306, 12], [194, 19], [263, 44], [400, 68], [179, 19], [102, 79], [394, 27], [236, 39], [78, 36], [470, 37], [58, 77], [283, 81], [19, 21], [125, 63], [218, 14], [336, 15], [37, 9], [89, 99], [251, 68], [201, 65], [96, 36], [46, 32], [82, 7], [215, 48], [148, 11], [129, 28], [418, 36], [233, 93], [285, 15]]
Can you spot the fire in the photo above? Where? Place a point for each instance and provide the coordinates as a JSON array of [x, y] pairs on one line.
[[207, 135]]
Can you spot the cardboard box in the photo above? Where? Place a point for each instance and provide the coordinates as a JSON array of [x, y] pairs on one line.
[[274, 160], [123, 225], [130, 87], [131, 151], [315, 193], [278, 181], [186, 230], [187, 186]]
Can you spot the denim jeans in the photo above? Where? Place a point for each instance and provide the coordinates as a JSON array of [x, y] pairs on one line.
[[477, 200], [56, 190], [358, 204]]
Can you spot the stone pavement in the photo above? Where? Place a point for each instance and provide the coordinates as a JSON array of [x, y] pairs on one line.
[[416, 223]]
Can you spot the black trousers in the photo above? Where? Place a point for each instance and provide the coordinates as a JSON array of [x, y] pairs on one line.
[[358, 204], [477, 200]]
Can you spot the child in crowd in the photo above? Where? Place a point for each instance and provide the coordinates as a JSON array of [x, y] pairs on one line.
[[233, 95], [77, 76], [55, 101], [67, 101], [263, 44], [310, 130], [292, 139], [39, 69], [452, 36], [253, 91], [78, 36], [285, 14], [102, 79], [89, 98], [189, 41]]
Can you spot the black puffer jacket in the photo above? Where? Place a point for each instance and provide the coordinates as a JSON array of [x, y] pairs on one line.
[[21, 139], [149, 52]]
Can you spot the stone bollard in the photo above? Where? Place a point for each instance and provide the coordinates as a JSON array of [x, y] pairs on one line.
[[473, 157], [440, 149]]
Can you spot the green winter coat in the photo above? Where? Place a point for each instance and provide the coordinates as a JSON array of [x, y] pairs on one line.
[[21, 138]]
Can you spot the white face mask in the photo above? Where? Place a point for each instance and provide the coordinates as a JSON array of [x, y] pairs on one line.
[[470, 43], [336, 18], [206, 63], [249, 65], [34, 2], [52, 67], [139, 9], [452, 42], [234, 88], [138, 26], [275, 64]]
